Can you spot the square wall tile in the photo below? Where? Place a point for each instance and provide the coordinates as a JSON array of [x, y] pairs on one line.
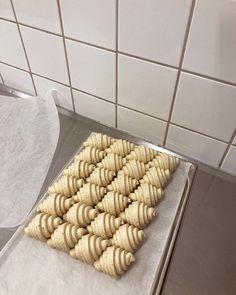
[[94, 108], [18, 79], [90, 21], [141, 125], [41, 14], [154, 29], [92, 70], [194, 145], [211, 47], [62, 96], [46, 54], [12, 52], [145, 86], [6, 10], [229, 164], [205, 106]]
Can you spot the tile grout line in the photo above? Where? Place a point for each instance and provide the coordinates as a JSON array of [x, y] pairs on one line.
[[227, 149], [116, 65], [126, 54], [66, 55], [23, 45], [179, 70]]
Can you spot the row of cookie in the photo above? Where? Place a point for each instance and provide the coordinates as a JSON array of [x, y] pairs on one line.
[[88, 247]]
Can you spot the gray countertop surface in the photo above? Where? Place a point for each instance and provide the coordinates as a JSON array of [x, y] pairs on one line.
[[204, 256]]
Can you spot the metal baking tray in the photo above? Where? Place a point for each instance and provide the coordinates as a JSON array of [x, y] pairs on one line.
[[162, 264]]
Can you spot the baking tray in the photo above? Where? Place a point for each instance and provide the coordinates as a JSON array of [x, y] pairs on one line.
[[161, 265]]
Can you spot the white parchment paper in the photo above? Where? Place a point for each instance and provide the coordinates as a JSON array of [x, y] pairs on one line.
[[29, 131], [31, 267]]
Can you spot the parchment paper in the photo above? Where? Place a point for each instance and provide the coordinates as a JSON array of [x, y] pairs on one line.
[[31, 267], [29, 131]]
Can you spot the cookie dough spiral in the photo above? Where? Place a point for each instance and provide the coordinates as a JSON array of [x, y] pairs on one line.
[[128, 237], [89, 248], [114, 261], [112, 162], [123, 184], [143, 154], [79, 169], [66, 236], [42, 226], [55, 204], [104, 225], [138, 214], [113, 203], [134, 169], [101, 176], [148, 194], [91, 155], [80, 214], [90, 194], [100, 141], [66, 185], [121, 147], [165, 161], [157, 177]]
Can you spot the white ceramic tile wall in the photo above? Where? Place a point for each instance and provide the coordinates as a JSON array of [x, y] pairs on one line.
[[154, 29], [17, 79], [63, 94], [203, 105], [163, 70], [38, 13], [141, 81], [6, 10], [90, 21], [211, 47], [46, 54], [195, 145], [11, 49], [92, 69], [94, 108], [141, 125]]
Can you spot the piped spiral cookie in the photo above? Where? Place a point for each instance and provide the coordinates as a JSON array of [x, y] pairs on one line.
[[79, 169], [66, 236], [165, 161], [121, 147], [148, 194], [104, 225], [42, 226], [80, 214], [89, 248], [138, 214], [113, 203], [142, 153], [157, 177], [128, 237], [134, 169], [55, 204], [99, 140], [101, 176], [112, 162], [90, 194], [91, 155], [114, 261], [66, 185], [123, 184]]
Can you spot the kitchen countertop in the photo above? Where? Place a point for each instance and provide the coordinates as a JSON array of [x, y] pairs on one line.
[[204, 257]]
